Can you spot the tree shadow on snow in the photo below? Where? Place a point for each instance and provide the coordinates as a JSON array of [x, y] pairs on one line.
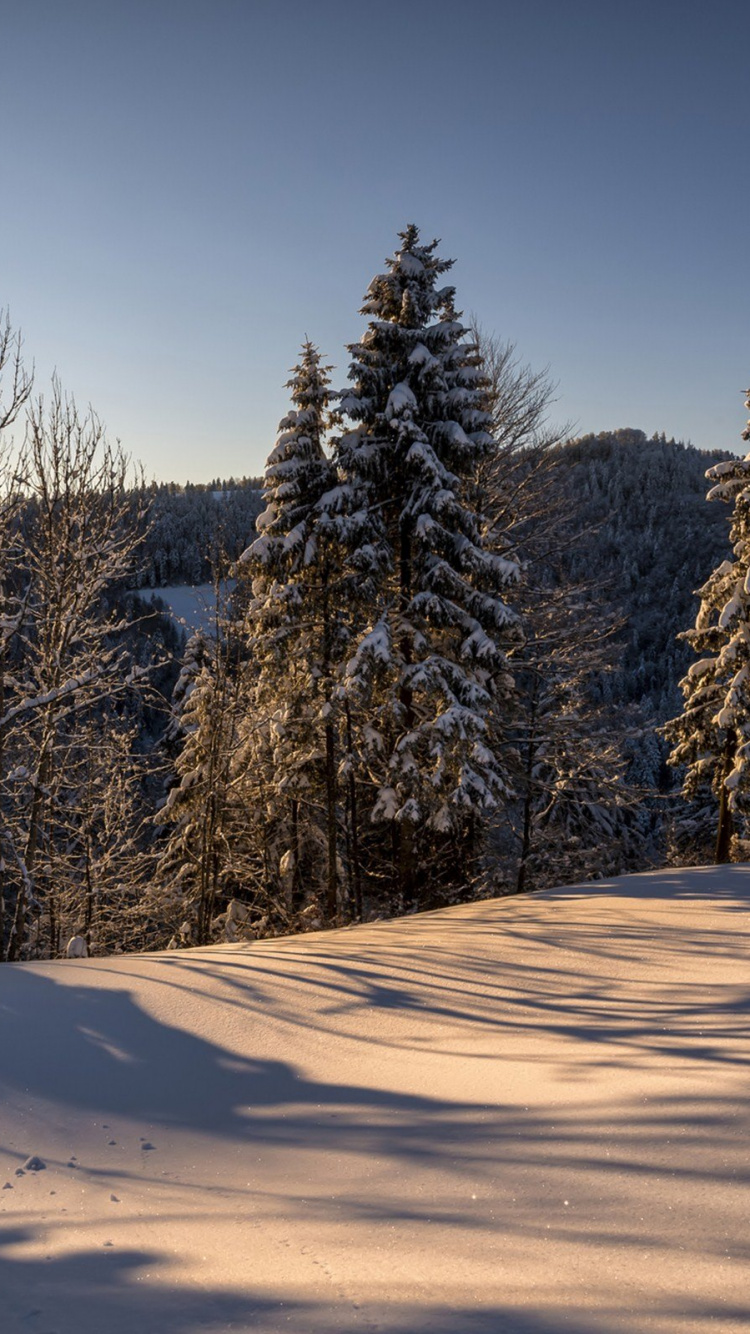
[[109, 1290], [95, 1049]]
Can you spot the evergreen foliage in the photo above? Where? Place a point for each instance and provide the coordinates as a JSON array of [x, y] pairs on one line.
[[292, 635], [203, 818], [428, 665], [711, 737], [193, 525], [648, 539]]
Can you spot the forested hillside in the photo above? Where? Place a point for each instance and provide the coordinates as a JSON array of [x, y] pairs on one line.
[[194, 527], [650, 540]]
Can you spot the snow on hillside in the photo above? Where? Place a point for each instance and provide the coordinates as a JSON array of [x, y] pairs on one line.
[[516, 1117], [194, 606]]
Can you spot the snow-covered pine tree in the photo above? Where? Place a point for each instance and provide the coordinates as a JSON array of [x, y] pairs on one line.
[[711, 737], [193, 659], [428, 666], [201, 862], [292, 629]]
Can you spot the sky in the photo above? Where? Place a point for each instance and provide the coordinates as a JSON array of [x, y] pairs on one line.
[[188, 190]]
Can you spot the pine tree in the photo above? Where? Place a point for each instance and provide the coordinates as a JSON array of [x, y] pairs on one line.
[[201, 864], [711, 737], [428, 666], [194, 657], [293, 630]]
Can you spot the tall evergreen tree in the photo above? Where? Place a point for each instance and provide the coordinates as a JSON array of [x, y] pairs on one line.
[[428, 666], [200, 864], [711, 737], [293, 630]]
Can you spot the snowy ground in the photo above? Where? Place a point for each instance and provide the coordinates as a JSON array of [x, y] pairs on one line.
[[194, 606], [518, 1117]]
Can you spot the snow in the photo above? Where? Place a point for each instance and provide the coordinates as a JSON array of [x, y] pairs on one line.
[[194, 606], [519, 1116], [400, 400], [410, 264]]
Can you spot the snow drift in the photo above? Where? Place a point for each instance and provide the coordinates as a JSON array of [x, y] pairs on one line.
[[514, 1117]]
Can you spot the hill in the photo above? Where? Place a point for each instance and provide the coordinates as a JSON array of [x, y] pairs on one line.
[[650, 540], [512, 1117]]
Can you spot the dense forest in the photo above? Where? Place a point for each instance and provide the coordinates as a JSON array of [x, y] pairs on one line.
[[194, 528], [447, 663]]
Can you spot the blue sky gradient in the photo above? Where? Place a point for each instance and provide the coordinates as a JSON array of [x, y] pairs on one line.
[[188, 189]]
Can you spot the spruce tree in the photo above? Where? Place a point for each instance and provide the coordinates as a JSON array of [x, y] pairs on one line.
[[292, 631], [428, 666], [711, 737], [201, 863]]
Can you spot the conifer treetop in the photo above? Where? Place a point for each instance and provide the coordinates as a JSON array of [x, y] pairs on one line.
[[298, 470]]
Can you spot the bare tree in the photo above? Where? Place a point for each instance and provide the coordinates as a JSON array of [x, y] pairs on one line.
[[568, 766], [15, 389], [78, 535]]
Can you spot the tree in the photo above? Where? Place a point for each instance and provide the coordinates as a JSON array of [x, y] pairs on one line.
[[15, 389], [77, 533], [200, 864], [574, 819], [293, 635], [711, 737], [429, 663], [572, 814]]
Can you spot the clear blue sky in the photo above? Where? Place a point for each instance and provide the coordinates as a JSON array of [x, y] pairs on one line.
[[188, 189]]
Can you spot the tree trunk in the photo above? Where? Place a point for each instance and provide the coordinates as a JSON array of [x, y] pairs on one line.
[[332, 905], [15, 939], [298, 887], [332, 890], [25, 892], [407, 852], [41, 783], [54, 925], [3, 848], [355, 871], [528, 798], [726, 823]]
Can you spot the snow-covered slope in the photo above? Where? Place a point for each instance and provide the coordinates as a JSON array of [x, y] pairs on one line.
[[520, 1116]]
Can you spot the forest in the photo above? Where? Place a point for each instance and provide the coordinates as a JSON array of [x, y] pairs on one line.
[[452, 655]]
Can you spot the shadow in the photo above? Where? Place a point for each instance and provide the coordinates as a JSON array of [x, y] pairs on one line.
[[101, 1290], [95, 1291], [97, 1050], [548, 962], [602, 987], [481, 974]]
